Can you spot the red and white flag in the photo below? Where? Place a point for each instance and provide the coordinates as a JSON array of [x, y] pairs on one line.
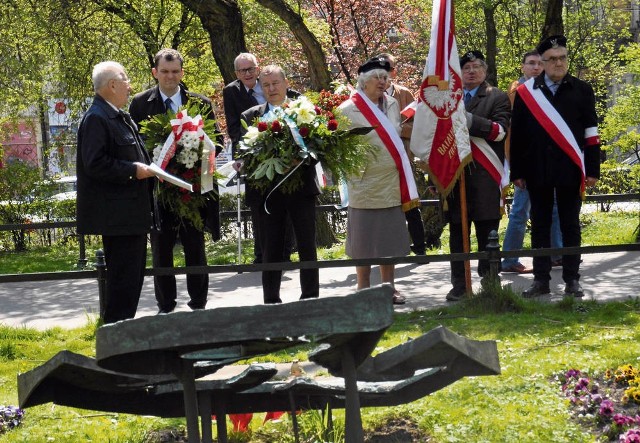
[[440, 136]]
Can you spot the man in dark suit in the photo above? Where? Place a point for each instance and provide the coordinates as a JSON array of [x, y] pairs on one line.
[[298, 206], [171, 94], [114, 197], [238, 96], [555, 150], [488, 113]]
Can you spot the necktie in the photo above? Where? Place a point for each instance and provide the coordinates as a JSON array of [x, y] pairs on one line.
[[467, 99], [252, 98], [168, 104], [554, 88]]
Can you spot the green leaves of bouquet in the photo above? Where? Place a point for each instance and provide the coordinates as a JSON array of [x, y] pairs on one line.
[[300, 132], [185, 164]]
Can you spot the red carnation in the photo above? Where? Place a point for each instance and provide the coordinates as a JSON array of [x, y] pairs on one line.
[[317, 110], [188, 174], [304, 131], [275, 126], [262, 126], [186, 197], [332, 125]]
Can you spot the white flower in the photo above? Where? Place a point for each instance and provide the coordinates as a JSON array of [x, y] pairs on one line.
[[251, 136], [190, 140], [187, 157], [303, 109], [156, 153]]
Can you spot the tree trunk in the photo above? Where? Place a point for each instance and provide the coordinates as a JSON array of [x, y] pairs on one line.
[[325, 237], [553, 24], [319, 74], [222, 20], [492, 47]]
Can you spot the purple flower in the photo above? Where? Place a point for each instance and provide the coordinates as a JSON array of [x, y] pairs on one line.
[[572, 373], [583, 382], [10, 417], [623, 420], [606, 408], [631, 436]]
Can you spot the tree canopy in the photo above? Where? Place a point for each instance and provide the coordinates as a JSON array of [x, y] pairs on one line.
[[50, 46]]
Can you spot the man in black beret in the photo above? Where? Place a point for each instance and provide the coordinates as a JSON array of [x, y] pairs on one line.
[[488, 111], [555, 150], [470, 57]]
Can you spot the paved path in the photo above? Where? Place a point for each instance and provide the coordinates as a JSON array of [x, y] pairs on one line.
[[69, 304]]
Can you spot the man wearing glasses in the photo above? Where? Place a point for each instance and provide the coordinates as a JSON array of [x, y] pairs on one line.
[[237, 97], [114, 193], [241, 94], [521, 206], [555, 148], [488, 111]]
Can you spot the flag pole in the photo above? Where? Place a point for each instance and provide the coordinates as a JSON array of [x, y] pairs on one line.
[[464, 220]]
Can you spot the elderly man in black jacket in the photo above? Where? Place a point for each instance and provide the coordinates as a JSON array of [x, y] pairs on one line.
[[555, 150], [114, 197], [488, 112], [170, 94]]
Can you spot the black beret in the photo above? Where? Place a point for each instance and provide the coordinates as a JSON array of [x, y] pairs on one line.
[[471, 56], [554, 41], [374, 63]]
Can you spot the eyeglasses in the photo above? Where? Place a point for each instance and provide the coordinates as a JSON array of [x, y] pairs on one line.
[[245, 71], [470, 68], [554, 60]]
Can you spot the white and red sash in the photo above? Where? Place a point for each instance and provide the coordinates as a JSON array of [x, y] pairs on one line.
[[483, 154], [391, 140], [554, 125]]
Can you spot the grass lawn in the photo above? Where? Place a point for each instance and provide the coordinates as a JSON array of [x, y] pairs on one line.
[[523, 404]]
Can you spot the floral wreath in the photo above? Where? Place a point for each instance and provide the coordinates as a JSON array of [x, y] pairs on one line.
[[301, 132], [180, 145]]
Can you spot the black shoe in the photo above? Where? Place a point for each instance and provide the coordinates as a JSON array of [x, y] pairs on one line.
[[417, 250], [456, 293], [537, 289], [573, 288], [197, 305], [164, 311]]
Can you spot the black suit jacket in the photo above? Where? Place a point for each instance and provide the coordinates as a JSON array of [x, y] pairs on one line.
[[236, 100], [148, 103], [111, 201]]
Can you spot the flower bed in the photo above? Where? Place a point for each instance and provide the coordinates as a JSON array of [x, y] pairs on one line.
[[608, 404], [10, 417]]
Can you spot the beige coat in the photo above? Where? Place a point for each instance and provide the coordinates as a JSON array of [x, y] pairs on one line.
[[378, 186]]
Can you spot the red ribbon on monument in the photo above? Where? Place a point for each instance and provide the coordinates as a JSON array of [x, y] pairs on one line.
[[440, 136]]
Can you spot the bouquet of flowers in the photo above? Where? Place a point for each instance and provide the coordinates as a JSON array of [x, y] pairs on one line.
[[179, 145], [301, 131]]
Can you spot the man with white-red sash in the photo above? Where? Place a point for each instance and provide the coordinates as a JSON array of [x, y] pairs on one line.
[[555, 148], [488, 110]]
